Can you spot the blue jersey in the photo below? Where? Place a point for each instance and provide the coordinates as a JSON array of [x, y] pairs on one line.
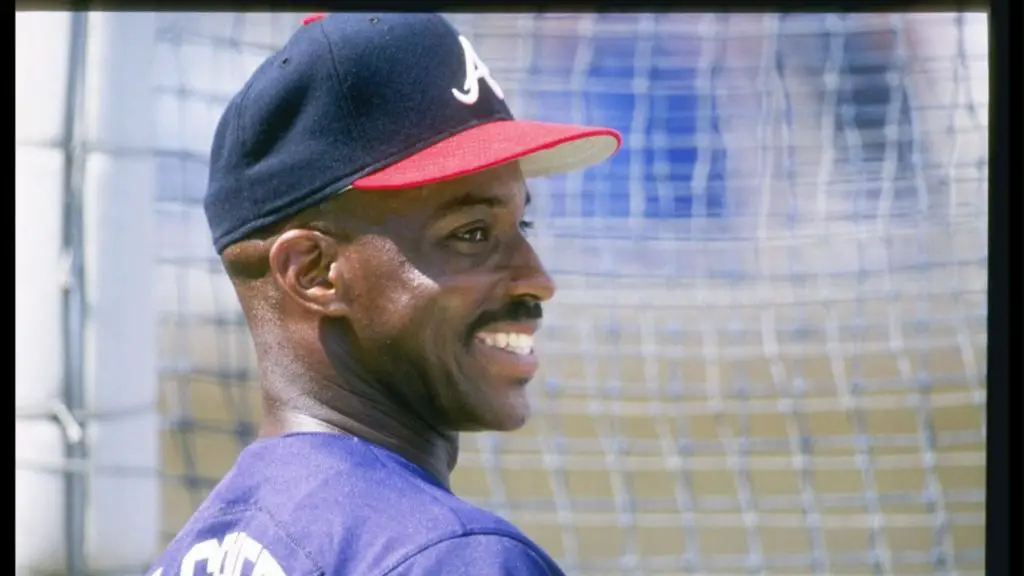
[[319, 504]]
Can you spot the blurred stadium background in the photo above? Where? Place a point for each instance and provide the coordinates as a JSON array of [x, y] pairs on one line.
[[767, 355]]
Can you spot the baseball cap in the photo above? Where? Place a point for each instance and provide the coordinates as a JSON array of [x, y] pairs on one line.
[[376, 102]]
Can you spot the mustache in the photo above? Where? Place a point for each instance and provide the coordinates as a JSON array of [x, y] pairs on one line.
[[517, 310]]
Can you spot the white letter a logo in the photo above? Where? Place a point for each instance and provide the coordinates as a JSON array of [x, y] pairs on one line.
[[476, 71]]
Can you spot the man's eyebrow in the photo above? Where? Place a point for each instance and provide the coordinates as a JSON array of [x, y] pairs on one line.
[[472, 200]]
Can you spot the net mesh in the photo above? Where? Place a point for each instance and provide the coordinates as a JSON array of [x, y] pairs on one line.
[[767, 353]]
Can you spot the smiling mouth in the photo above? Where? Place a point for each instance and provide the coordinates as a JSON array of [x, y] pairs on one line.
[[512, 342]]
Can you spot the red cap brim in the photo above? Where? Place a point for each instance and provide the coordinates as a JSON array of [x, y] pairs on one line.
[[541, 149]]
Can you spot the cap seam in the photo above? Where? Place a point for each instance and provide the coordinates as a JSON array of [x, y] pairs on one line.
[[237, 128], [344, 102]]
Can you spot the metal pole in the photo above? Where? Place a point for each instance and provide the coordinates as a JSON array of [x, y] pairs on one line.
[[74, 297]]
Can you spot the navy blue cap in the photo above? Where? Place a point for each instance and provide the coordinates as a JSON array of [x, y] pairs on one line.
[[382, 102]]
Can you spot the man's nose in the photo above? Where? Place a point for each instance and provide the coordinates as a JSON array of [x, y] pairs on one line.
[[529, 277]]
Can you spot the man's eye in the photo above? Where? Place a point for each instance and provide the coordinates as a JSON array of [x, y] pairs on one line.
[[526, 225], [474, 235]]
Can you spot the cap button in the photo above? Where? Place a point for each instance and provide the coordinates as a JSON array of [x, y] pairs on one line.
[[313, 18]]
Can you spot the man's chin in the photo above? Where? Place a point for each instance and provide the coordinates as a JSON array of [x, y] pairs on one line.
[[504, 415], [512, 422]]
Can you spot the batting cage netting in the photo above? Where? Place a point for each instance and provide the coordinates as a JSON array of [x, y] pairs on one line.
[[767, 354]]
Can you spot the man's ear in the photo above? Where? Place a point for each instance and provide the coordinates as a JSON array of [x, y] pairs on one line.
[[307, 265]]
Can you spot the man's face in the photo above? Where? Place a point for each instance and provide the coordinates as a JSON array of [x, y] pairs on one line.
[[444, 295]]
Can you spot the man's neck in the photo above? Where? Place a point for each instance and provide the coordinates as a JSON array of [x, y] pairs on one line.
[[435, 452]]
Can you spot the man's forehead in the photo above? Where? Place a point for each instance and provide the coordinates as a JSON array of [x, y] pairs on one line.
[[511, 197]]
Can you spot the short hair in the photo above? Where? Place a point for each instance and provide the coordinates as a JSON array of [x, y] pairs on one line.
[[248, 259]]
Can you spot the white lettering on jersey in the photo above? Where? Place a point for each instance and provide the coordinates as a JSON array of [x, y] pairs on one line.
[[230, 557], [476, 71]]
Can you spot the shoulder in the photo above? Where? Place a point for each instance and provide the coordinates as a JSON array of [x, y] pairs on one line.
[[245, 542], [487, 553]]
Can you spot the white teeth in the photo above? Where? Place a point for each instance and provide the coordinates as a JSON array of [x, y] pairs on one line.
[[512, 341]]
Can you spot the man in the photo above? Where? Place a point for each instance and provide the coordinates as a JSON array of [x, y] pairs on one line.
[[366, 196]]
